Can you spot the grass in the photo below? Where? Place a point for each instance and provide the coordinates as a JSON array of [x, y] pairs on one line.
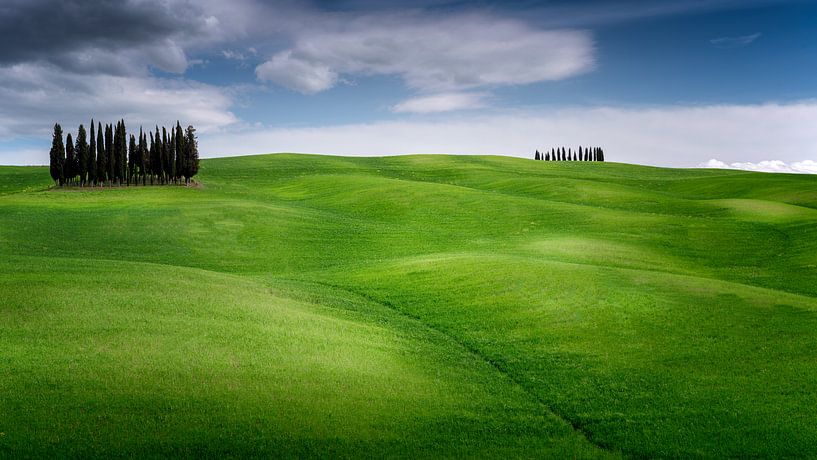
[[301, 305]]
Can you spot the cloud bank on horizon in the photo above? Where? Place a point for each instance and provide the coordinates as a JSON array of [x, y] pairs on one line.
[[645, 79]]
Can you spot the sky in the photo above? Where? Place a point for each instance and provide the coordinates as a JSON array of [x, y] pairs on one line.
[[715, 83]]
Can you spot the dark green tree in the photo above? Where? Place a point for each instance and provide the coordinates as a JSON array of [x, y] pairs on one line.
[[57, 155], [117, 152], [154, 159], [81, 151], [110, 157], [69, 169], [123, 152], [132, 154], [166, 163], [101, 157], [171, 148], [191, 146], [92, 155], [181, 156], [143, 157]]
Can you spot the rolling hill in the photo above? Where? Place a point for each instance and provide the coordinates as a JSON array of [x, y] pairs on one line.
[[304, 305]]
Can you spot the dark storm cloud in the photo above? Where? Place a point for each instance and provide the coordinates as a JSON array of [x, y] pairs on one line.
[[80, 35]]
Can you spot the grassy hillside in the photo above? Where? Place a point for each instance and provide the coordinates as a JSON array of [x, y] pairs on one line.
[[420, 305]]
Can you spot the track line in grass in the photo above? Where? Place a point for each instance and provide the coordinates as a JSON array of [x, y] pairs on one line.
[[470, 350]]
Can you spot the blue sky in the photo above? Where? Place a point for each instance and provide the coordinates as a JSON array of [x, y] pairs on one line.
[[721, 83]]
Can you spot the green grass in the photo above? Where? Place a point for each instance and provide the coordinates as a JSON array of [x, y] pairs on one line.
[[301, 305]]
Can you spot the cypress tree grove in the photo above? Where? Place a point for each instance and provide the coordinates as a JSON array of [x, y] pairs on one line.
[[192, 153], [92, 156], [57, 155], [101, 157], [114, 157], [69, 170], [81, 152]]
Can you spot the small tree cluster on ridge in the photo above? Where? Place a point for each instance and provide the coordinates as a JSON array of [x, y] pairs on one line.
[[108, 156], [560, 154]]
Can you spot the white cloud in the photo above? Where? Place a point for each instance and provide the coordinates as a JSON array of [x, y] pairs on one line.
[[662, 136], [430, 53], [297, 73], [443, 102], [29, 91], [734, 42], [800, 167]]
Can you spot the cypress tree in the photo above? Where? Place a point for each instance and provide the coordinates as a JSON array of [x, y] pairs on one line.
[[536, 156], [601, 154], [68, 169], [92, 156], [581, 154], [154, 158], [132, 154], [171, 147], [110, 158], [181, 157], [165, 155], [118, 152], [101, 157], [160, 144], [81, 152], [192, 152], [181, 150], [171, 155], [142, 158], [57, 155], [124, 142]]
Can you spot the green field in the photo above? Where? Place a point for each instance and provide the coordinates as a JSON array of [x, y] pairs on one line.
[[299, 305]]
